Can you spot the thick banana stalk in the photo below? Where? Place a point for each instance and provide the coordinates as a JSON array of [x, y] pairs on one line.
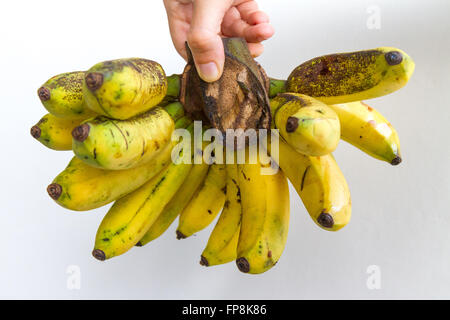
[[132, 216], [354, 76], [308, 125], [222, 243], [320, 184], [206, 203], [123, 88], [265, 218], [368, 130], [123, 144], [62, 96], [55, 133]]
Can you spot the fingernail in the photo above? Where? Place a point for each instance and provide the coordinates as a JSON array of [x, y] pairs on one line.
[[208, 71]]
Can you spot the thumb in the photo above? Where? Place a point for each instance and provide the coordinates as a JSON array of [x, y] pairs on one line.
[[204, 39]]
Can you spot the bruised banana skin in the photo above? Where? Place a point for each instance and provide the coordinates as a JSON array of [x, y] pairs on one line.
[[308, 125], [265, 219], [123, 144], [55, 133], [367, 129], [354, 76], [81, 187], [131, 216], [222, 243], [123, 88], [62, 96], [173, 209], [320, 184], [205, 204]]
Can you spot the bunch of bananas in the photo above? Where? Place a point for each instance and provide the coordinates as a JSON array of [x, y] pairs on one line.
[[119, 116]]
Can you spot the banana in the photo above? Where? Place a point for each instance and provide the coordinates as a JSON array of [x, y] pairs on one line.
[[131, 216], [81, 187], [265, 218], [123, 88], [62, 96], [123, 144], [320, 184], [367, 129], [222, 243], [308, 125], [54, 132], [354, 76], [205, 204], [177, 203]]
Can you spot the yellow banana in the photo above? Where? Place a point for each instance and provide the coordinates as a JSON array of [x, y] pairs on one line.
[[353, 76], [222, 243], [82, 187], [320, 184], [132, 216], [55, 133], [265, 218], [367, 129], [308, 125], [123, 88], [122, 144], [177, 203], [205, 204], [62, 96]]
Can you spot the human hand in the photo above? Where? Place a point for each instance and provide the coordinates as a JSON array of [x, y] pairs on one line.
[[202, 23]]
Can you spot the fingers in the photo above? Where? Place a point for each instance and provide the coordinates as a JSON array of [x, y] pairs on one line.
[[204, 37]]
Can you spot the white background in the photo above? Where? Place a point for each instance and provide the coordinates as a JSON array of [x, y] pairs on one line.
[[400, 221]]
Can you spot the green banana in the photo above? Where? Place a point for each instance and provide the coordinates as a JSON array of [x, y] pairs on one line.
[[123, 144], [62, 96], [123, 88]]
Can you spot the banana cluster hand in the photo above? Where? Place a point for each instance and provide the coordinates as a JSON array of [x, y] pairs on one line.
[[119, 116]]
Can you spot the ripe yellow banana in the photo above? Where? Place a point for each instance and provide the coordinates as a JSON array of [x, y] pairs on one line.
[[222, 243], [367, 129], [265, 218], [320, 184], [176, 205], [353, 76], [82, 187], [55, 133], [123, 144], [132, 216], [205, 204], [62, 96], [308, 125], [123, 88]]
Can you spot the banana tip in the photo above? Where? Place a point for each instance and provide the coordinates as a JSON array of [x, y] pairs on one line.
[[139, 244], [204, 261], [396, 161], [243, 265], [81, 132], [54, 191], [180, 235], [291, 124], [35, 132], [44, 93], [325, 220], [99, 254], [94, 80]]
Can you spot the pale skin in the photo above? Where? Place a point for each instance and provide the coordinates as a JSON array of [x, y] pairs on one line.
[[202, 23]]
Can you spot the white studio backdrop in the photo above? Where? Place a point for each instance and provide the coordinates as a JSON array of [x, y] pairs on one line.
[[397, 244]]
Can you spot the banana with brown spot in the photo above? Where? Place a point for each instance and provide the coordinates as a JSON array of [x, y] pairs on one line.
[[353, 76], [368, 130], [55, 133], [308, 125], [123, 144], [123, 88], [62, 96]]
